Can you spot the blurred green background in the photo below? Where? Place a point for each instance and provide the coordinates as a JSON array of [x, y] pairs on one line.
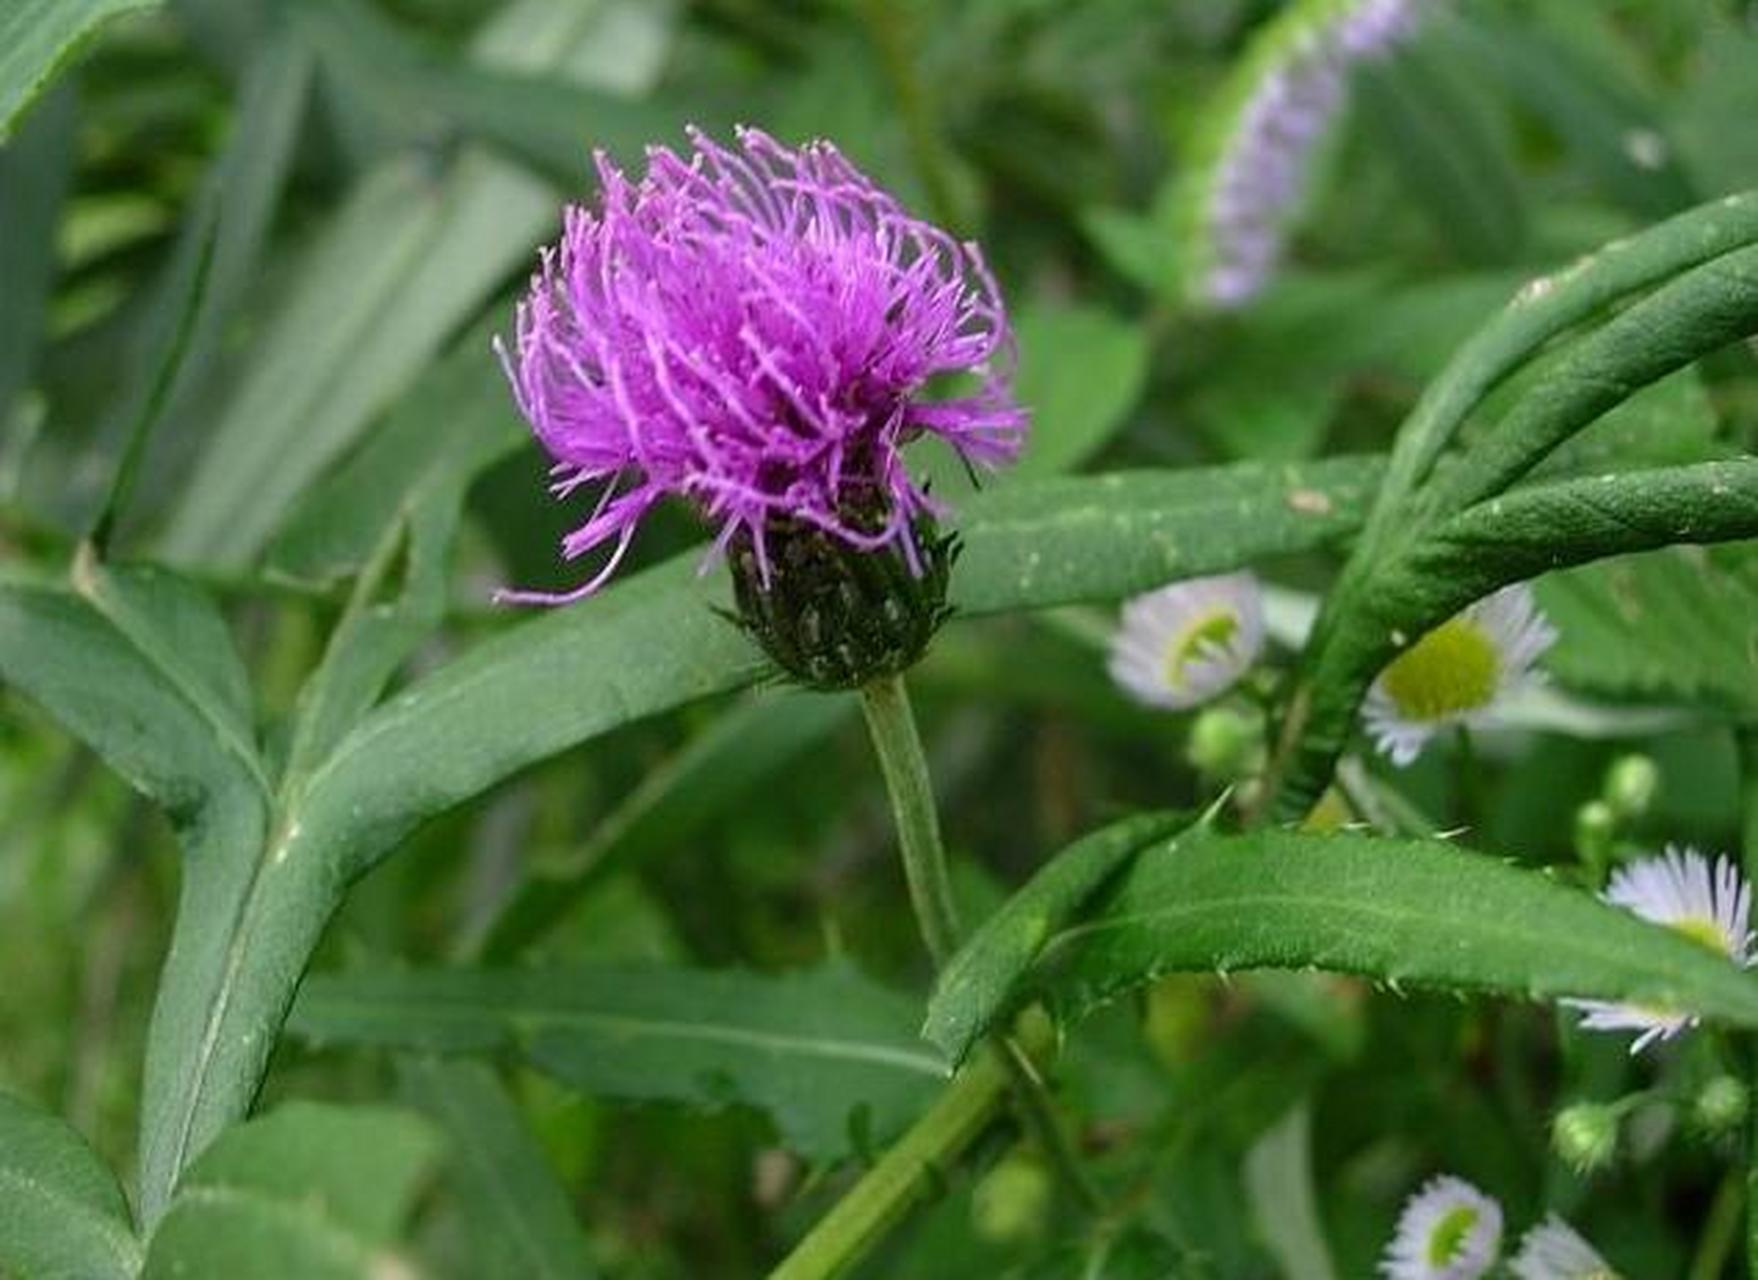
[[372, 179]]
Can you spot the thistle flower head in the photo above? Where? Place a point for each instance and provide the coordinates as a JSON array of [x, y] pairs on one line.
[[1458, 672], [1711, 904], [755, 328], [1185, 643], [1449, 1230], [1553, 1250], [1286, 95]]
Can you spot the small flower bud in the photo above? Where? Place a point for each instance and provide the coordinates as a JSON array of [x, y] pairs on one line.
[[1012, 1202], [1720, 1106], [1585, 1135], [1595, 825], [1225, 743], [1631, 785]]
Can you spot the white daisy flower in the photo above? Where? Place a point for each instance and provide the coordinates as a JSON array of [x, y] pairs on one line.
[[1553, 1250], [1449, 1230], [1187, 642], [1458, 672], [1681, 890]]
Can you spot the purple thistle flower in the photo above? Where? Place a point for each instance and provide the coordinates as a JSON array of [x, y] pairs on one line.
[[753, 328], [1263, 167]]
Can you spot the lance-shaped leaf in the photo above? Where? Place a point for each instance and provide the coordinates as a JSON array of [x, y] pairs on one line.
[[830, 1056], [1403, 912], [37, 37], [62, 1216]]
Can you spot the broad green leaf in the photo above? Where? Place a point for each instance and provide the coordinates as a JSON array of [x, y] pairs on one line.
[[35, 169], [407, 261], [1081, 372], [38, 37], [721, 766], [1679, 625], [520, 1224], [1453, 158], [62, 1216], [827, 1054], [1403, 912], [974, 988], [308, 1192]]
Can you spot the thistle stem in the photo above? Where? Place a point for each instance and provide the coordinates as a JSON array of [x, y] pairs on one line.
[[892, 725]]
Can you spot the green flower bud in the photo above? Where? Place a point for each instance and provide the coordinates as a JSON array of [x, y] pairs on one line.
[[834, 616], [1631, 785], [1585, 1135], [1225, 743], [1720, 1106]]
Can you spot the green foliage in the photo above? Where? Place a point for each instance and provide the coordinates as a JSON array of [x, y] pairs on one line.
[[38, 37], [255, 257], [1406, 913], [62, 1216], [521, 1225], [309, 1190], [827, 1054]]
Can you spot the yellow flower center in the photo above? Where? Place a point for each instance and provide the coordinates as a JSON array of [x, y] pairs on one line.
[[1702, 930], [1209, 633], [1449, 1234], [1450, 670]]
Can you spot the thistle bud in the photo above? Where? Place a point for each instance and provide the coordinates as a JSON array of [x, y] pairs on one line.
[[835, 616]]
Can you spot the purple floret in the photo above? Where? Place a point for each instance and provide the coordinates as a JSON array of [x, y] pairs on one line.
[[754, 327]]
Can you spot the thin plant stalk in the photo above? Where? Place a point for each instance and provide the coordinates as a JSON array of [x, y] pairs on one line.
[[892, 725]]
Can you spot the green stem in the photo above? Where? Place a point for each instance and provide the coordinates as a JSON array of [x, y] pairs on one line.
[[1471, 808], [1720, 1230], [906, 1173], [892, 726]]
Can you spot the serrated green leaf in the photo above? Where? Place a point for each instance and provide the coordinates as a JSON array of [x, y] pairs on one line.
[[810, 1049], [38, 37], [521, 1226], [1679, 625], [1403, 912], [976, 985], [308, 1192], [62, 1216]]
